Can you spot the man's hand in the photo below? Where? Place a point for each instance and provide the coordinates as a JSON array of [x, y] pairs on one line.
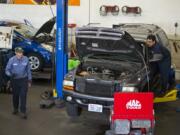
[[8, 84], [29, 83]]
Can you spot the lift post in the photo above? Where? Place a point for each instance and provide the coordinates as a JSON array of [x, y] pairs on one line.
[[61, 45]]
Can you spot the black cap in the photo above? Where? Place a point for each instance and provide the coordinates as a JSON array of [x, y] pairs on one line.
[[19, 50]]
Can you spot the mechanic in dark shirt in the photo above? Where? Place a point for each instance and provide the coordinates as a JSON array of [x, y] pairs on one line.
[[163, 65], [18, 69]]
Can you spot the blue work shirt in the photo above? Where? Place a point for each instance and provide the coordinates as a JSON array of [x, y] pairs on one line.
[[159, 49], [18, 68], [162, 66]]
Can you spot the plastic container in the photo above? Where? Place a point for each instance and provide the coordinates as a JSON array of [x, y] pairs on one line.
[[73, 64]]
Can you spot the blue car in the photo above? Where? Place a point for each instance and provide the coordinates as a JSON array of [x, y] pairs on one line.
[[37, 44]]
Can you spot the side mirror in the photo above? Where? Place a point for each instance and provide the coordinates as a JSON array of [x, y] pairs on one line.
[[156, 57]]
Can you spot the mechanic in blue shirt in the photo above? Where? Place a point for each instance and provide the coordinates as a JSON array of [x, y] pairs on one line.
[[18, 69], [162, 64]]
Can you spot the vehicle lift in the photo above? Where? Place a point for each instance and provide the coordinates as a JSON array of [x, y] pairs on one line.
[[61, 46], [170, 96], [62, 54]]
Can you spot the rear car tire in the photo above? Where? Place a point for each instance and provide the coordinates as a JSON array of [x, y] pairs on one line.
[[36, 62], [73, 110]]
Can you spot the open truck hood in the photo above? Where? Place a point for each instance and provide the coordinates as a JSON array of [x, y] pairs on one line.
[[46, 27], [98, 40]]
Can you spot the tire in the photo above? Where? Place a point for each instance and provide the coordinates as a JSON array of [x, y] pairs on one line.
[[73, 110], [36, 62], [152, 132], [109, 132]]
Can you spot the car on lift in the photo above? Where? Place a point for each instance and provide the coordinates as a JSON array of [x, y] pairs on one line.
[[37, 44], [111, 61]]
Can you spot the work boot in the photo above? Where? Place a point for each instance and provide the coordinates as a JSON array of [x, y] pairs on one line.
[[15, 112], [177, 109], [161, 94], [23, 116]]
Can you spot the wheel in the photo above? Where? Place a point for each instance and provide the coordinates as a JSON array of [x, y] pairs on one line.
[[73, 110], [152, 132], [109, 132], [36, 61]]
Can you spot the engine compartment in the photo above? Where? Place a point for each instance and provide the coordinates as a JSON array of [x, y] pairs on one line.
[[107, 70], [45, 38]]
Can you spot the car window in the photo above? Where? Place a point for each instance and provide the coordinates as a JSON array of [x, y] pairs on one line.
[[163, 38]]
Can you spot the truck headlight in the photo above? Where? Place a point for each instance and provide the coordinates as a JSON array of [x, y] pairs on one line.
[[129, 89], [121, 126], [68, 85], [47, 47], [141, 124]]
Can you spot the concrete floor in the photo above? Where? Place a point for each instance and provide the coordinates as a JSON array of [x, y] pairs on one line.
[[55, 121]]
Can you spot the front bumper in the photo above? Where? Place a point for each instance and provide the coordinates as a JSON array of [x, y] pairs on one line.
[[84, 100]]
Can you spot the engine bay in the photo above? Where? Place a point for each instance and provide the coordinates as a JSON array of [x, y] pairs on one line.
[[107, 70], [45, 38]]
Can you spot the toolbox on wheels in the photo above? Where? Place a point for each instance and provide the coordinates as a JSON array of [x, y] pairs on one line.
[[132, 114]]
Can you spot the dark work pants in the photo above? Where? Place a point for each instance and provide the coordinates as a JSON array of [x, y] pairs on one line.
[[19, 93], [165, 68]]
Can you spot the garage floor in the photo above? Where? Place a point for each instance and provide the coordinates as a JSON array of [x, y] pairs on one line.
[[55, 121]]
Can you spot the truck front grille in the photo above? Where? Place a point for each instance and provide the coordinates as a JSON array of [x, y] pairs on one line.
[[95, 87]]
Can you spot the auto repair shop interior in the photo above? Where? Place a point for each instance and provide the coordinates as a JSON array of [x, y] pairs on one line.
[[99, 67]]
